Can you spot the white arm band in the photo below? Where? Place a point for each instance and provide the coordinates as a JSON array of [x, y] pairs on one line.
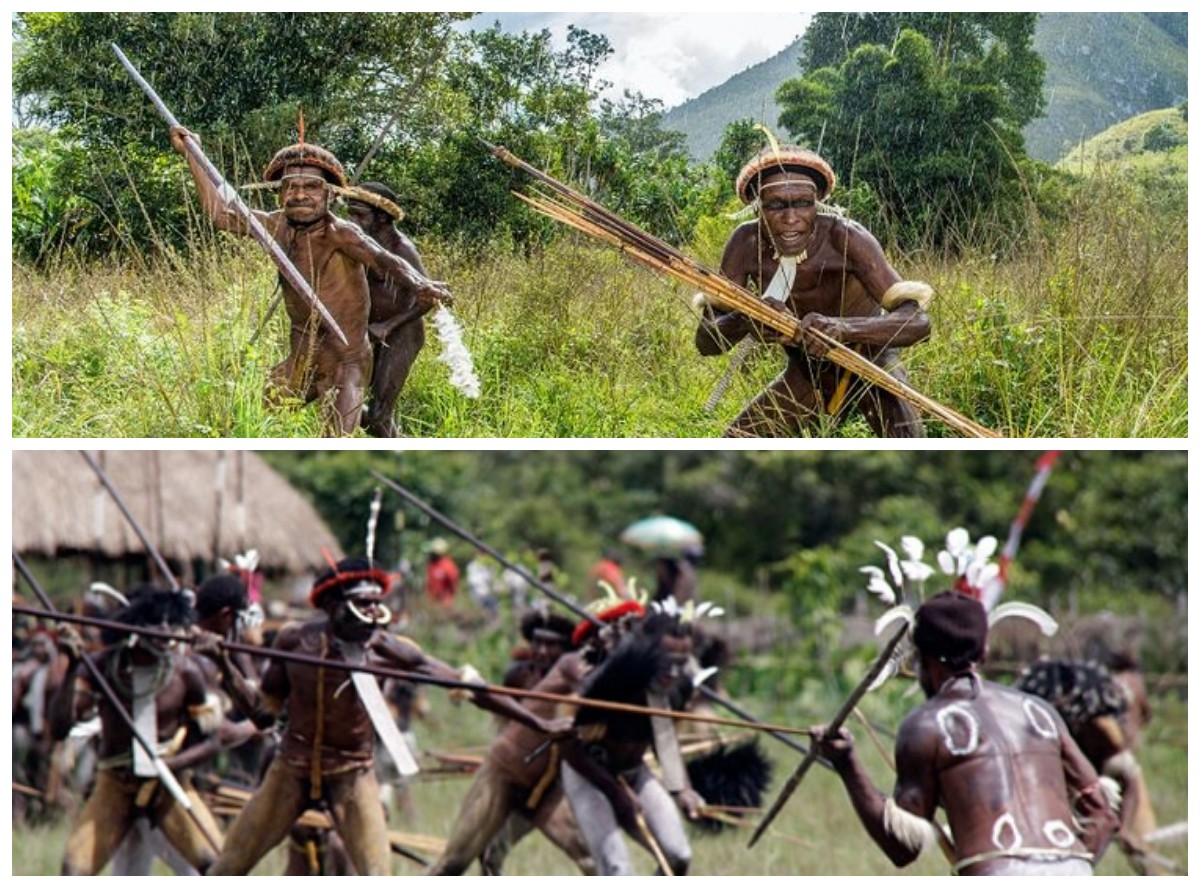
[[913, 832], [907, 291]]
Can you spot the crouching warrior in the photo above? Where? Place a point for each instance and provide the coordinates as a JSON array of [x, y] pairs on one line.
[[164, 690], [831, 273]]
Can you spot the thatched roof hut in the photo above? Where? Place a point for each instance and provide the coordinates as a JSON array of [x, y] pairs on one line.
[[196, 506]]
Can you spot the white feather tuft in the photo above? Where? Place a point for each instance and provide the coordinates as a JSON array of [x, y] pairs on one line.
[[454, 353], [901, 613], [1043, 620], [912, 547], [893, 563]]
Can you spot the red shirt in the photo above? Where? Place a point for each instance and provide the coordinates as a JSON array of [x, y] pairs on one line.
[[441, 579]]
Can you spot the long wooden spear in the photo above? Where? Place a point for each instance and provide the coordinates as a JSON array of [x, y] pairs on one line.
[[570, 605], [405, 675], [101, 683], [234, 202], [571, 208], [479, 544], [151, 549], [842, 714]]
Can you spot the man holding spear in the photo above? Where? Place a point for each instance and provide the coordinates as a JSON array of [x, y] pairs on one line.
[[1020, 797], [326, 756], [830, 273], [166, 692], [333, 257], [321, 262]]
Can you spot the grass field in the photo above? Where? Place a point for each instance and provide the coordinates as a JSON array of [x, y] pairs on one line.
[[1083, 333], [816, 834]]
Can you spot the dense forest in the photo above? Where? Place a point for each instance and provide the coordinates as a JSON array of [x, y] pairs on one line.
[[1109, 532]]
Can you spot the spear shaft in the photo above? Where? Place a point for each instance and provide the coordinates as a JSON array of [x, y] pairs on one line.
[[842, 714], [405, 675], [234, 202], [164, 773], [479, 544], [461, 532], [151, 549]]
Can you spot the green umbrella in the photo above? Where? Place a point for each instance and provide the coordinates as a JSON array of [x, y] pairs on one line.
[[663, 534]]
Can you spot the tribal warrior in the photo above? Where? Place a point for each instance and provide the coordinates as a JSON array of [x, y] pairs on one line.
[[164, 690], [326, 756], [832, 274], [333, 257], [1020, 797], [397, 324]]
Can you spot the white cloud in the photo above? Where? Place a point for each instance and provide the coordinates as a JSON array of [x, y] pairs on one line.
[[670, 55]]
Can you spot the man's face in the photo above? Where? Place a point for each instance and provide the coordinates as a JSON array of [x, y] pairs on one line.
[[678, 649], [789, 211], [303, 195], [356, 617], [546, 650], [365, 217]]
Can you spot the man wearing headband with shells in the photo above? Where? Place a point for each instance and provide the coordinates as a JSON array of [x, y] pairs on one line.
[[333, 256], [326, 755], [1020, 797], [831, 273]]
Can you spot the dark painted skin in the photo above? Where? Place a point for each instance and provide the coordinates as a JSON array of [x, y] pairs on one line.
[[397, 325], [837, 290], [333, 255]]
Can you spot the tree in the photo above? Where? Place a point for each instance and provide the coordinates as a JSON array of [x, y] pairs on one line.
[[925, 110], [741, 139], [237, 79]]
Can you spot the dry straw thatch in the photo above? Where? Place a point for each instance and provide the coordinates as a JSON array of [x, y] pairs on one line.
[[194, 505]]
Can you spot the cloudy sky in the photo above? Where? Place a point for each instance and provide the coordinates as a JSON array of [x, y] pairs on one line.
[[672, 56]]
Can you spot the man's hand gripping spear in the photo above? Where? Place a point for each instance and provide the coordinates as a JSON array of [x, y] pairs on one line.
[[230, 195]]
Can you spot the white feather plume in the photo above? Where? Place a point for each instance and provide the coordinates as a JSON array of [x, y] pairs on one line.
[[454, 353]]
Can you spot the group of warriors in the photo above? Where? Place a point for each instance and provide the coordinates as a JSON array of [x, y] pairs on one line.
[[799, 253], [1033, 779]]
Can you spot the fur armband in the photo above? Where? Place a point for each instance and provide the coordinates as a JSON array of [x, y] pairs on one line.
[[911, 831], [1123, 768], [1112, 793], [208, 714], [470, 675], [907, 291], [701, 301]]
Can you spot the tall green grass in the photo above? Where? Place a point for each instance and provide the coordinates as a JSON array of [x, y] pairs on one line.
[[1083, 333]]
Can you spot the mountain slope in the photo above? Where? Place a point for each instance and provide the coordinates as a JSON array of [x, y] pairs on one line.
[[750, 94], [1100, 68]]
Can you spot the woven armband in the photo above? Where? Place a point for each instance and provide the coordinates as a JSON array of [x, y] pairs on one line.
[[911, 831], [701, 301], [907, 291], [1108, 791]]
